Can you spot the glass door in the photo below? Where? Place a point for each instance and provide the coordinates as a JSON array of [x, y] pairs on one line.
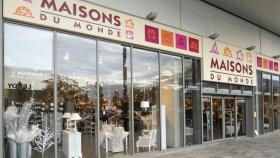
[[206, 111], [241, 117], [229, 117], [217, 114]]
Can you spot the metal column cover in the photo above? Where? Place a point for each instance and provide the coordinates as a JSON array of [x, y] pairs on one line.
[[197, 110], [1, 86], [250, 117]]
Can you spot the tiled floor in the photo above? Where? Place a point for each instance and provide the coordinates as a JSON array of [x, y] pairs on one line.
[[265, 146]]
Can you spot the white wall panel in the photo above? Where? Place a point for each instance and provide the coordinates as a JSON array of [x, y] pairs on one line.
[[168, 10], [205, 20], [270, 44]]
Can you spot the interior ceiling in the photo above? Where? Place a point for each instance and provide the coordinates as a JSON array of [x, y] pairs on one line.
[[264, 13]]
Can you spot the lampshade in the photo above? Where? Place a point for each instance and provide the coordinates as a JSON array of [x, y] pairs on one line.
[[145, 104], [66, 115], [75, 116]]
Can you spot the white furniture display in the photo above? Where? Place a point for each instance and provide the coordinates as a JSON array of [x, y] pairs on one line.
[[113, 138], [72, 146], [230, 128], [163, 127], [148, 140]]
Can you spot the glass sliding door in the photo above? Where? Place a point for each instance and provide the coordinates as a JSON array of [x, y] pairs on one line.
[[241, 117], [217, 120], [76, 88], [146, 99], [229, 117], [28, 89], [207, 119], [114, 92], [172, 96]]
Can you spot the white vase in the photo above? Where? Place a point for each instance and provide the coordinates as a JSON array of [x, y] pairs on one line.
[[13, 148], [23, 150]]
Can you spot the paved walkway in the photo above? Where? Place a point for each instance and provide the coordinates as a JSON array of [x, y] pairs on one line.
[[265, 146]]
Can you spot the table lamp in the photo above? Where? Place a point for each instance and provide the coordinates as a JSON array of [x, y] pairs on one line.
[[75, 117], [145, 105]]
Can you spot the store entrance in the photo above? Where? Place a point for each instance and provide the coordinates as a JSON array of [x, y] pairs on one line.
[[223, 117]]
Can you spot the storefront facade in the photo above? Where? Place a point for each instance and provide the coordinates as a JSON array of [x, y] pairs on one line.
[[227, 91], [100, 83], [85, 68], [267, 94]]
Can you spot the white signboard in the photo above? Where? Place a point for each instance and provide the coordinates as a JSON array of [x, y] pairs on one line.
[[90, 19], [228, 64]]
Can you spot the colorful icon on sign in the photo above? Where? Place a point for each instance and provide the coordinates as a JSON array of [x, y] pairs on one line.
[[265, 63], [227, 52], [193, 45], [270, 64], [276, 68], [129, 23], [181, 41], [239, 55], [214, 49], [259, 62], [129, 34], [167, 38], [24, 11], [151, 34], [249, 57]]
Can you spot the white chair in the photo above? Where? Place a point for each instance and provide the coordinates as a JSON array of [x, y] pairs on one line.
[[230, 128], [116, 139], [147, 141]]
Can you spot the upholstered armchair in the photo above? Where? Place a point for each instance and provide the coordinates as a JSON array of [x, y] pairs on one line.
[[147, 141]]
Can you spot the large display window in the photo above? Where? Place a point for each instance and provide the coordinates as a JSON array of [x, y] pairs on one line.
[[267, 102], [76, 80], [276, 101], [28, 91], [171, 81], [146, 100], [84, 97]]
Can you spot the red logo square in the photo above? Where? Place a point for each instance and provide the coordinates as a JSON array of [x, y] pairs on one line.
[[151, 34], [193, 45], [276, 66], [259, 61]]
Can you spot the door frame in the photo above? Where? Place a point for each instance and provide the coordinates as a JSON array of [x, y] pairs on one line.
[[211, 130], [223, 117], [246, 112], [235, 98]]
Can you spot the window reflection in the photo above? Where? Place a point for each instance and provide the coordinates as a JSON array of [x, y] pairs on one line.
[[276, 101], [28, 70], [76, 70], [114, 77], [192, 98], [145, 92], [267, 102], [171, 96]]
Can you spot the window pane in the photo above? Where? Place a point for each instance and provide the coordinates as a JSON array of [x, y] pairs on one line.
[[114, 78], [171, 96], [76, 75], [28, 74], [192, 97], [146, 98]]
